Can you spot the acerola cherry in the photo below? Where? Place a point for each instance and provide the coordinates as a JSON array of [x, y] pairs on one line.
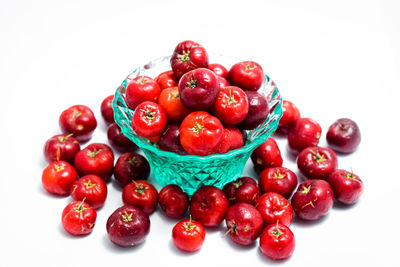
[[313, 198], [131, 166], [244, 189], [91, 188], [61, 147], [258, 111], [78, 120], [106, 109], [141, 194], [247, 75], [209, 205], [231, 105], [149, 119], [280, 180], [304, 133], [219, 70], [244, 223], [290, 114], [78, 218], [58, 177], [173, 201], [171, 103], [267, 155], [347, 187], [344, 136], [128, 226], [222, 82], [231, 139], [141, 89], [166, 80], [274, 207], [118, 140], [188, 235], [169, 140], [317, 162], [277, 242]]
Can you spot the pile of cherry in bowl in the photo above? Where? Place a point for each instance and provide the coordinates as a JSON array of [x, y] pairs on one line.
[[172, 111]]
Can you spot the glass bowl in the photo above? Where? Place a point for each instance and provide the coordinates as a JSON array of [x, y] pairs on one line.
[[190, 172]]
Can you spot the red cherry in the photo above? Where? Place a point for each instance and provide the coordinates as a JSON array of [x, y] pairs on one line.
[[290, 114], [141, 89], [188, 235], [244, 189], [78, 218], [131, 166], [118, 140], [61, 147], [277, 242], [231, 105], [58, 177], [173, 201], [149, 119], [91, 188], [279, 180], [141, 194], [347, 187], [166, 80], [78, 120], [106, 109], [304, 133], [231, 139], [267, 155], [247, 75], [274, 207], [344, 136], [219, 70], [317, 162]]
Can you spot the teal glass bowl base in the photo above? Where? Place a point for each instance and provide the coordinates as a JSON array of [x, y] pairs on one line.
[[190, 172]]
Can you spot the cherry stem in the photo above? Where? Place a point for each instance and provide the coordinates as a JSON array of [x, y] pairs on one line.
[[227, 232]]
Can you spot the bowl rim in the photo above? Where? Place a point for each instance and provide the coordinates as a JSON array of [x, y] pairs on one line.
[[152, 147]]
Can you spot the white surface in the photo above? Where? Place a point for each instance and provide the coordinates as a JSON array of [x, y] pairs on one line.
[[333, 59]]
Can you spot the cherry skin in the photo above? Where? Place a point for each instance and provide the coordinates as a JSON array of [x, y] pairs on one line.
[[347, 187], [232, 138], [172, 105], [244, 189], [187, 56], [58, 177], [258, 111], [169, 140], [209, 205], [141, 194], [280, 180], [61, 147], [118, 140], [274, 207], [244, 223], [231, 105], [219, 70], [141, 89], [149, 119], [78, 120], [173, 201], [304, 133], [198, 89], [267, 155], [247, 75], [96, 159], [90, 188], [222, 82], [166, 80], [277, 242], [188, 235], [290, 114], [128, 226], [78, 218], [313, 199], [344, 136], [131, 166], [106, 109], [317, 162]]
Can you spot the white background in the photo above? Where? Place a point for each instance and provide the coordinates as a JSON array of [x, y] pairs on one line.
[[332, 58]]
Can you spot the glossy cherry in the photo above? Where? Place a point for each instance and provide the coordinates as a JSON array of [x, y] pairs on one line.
[[198, 89], [347, 187], [141, 194], [90, 188], [219, 70], [118, 140], [61, 147], [128, 226], [247, 75], [304, 133], [231, 105], [209, 205], [231, 139], [78, 218], [187, 56], [78, 120], [277, 242], [244, 189], [131, 166], [96, 159], [222, 82], [274, 207], [290, 114], [170, 140], [173, 201], [141, 89], [344, 136], [149, 119], [166, 80], [244, 223], [313, 199], [188, 235], [267, 155], [201, 133], [280, 180], [106, 109], [58, 177], [317, 162], [171, 103], [258, 111]]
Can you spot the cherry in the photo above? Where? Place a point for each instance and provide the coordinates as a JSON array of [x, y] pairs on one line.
[[274, 207], [169, 140], [267, 155], [118, 140], [131, 166], [106, 109], [141, 194], [231, 105], [304, 133], [128, 226], [232, 138], [91, 188], [258, 111], [141, 89], [244, 223], [313, 199], [290, 114], [78, 218], [344, 136], [280, 180], [58, 177], [188, 235], [244, 189], [61, 147], [173, 201], [247, 75], [78, 120], [219, 70], [317, 162], [277, 242], [347, 187], [222, 82]]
